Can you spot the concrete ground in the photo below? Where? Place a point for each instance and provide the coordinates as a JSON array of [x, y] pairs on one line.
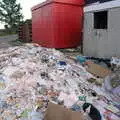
[[7, 41]]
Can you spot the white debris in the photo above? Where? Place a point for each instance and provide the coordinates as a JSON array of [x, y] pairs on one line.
[[32, 75]]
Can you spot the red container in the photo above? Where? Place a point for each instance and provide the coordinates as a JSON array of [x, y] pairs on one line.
[[58, 23]]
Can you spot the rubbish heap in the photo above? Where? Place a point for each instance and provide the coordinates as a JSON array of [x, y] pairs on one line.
[[32, 76]]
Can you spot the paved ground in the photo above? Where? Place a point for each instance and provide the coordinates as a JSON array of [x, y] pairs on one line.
[[7, 41]]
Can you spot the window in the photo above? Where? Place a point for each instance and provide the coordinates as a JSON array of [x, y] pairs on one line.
[[101, 20]]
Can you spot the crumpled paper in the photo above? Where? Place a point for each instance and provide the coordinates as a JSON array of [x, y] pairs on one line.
[[31, 77]]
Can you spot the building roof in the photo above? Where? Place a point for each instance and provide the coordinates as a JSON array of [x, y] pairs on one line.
[[94, 1], [102, 6]]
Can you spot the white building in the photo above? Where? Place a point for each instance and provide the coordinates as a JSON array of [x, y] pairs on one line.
[[102, 29]]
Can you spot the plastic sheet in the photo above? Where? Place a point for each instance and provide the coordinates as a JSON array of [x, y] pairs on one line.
[[112, 86]]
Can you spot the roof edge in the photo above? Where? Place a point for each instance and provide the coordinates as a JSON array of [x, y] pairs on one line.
[[102, 6]]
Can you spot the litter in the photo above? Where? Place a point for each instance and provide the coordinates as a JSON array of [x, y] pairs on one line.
[[32, 77], [98, 70], [112, 86], [115, 61], [56, 112], [3, 81], [81, 59], [92, 111]]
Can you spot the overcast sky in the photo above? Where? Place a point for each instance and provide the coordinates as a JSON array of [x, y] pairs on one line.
[[26, 5]]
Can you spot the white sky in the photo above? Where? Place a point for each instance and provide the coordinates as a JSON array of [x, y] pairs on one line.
[[26, 5]]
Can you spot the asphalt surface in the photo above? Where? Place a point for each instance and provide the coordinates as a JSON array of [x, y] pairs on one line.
[[6, 41]]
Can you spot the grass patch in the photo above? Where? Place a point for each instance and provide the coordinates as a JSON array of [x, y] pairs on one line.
[[6, 34]]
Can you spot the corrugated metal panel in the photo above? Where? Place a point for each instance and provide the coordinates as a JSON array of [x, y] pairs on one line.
[[74, 2], [57, 25]]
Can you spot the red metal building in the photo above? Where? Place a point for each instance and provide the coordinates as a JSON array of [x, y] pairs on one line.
[[58, 23]]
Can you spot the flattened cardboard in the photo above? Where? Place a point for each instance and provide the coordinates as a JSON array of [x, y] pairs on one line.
[[57, 112], [98, 70]]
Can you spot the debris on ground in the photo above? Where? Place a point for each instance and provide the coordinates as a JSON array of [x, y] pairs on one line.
[[104, 62], [32, 77], [97, 70], [115, 62], [57, 112]]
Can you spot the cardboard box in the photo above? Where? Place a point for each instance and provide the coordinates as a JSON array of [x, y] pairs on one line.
[[57, 112], [98, 70]]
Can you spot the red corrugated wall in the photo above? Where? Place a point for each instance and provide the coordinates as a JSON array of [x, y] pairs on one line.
[[57, 24]]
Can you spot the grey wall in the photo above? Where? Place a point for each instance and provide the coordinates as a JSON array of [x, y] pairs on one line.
[[102, 42]]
